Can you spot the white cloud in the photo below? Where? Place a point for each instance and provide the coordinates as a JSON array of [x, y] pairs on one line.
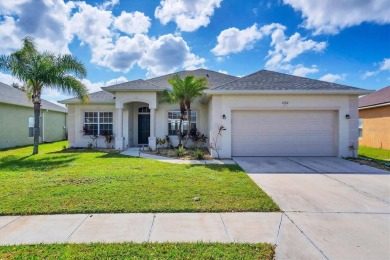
[[302, 71], [119, 80], [332, 77], [189, 15], [287, 49], [223, 71], [45, 20], [8, 79], [168, 53], [233, 40], [383, 66], [132, 23], [330, 16]]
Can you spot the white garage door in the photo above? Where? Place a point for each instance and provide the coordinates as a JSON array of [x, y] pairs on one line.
[[284, 133]]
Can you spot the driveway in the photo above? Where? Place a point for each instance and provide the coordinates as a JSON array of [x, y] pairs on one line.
[[333, 208]]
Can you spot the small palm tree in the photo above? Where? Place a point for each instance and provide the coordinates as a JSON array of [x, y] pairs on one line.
[[172, 96], [38, 70], [184, 91], [193, 88]]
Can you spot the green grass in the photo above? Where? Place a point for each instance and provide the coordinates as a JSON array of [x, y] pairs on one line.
[[374, 153], [139, 251], [56, 181]]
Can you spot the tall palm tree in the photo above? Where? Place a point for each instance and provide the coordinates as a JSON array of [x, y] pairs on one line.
[[38, 70]]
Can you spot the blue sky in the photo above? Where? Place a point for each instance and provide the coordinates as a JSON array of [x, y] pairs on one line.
[[341, 41]]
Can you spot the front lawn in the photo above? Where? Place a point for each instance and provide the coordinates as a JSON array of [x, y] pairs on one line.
[[139, 251], [57, 181], [374, 153]]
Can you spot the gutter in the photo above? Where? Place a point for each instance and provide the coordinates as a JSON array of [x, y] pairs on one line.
[[377, 105], [288, 92]]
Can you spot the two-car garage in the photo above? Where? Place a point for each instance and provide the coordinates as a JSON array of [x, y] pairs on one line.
[[284, 133]]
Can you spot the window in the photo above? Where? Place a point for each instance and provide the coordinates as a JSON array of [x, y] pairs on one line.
[[97, 123], [144, 110], [31, 126], [174, 122], [360, 127]]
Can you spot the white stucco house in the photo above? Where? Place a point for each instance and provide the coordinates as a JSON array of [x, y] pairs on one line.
[[265, 114]]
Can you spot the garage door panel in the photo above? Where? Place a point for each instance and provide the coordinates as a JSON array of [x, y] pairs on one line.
[[283, 133]]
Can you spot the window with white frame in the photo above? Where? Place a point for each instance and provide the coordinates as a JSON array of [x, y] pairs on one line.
[[360, 127], [174, 122], [31, 126], [98, 123]]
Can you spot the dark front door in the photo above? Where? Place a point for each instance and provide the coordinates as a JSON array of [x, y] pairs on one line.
[[143, 129]]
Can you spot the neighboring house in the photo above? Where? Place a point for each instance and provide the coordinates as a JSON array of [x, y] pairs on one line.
[[17, 119], [265, 114], [374, 114]]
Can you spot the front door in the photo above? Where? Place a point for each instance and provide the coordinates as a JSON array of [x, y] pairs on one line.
[[143, 129]]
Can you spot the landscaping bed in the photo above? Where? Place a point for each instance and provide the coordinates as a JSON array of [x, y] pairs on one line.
[[139, 251], [378, 158], [186, 154], [68, 181]]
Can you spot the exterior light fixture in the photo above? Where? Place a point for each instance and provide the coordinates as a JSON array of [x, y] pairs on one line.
[[223, 116], [347, 116]]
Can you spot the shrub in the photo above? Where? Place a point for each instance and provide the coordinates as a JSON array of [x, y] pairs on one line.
[[198, 154], [180, 151]]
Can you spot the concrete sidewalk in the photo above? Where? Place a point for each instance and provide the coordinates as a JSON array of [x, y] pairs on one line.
[[135, 152], [171, 227]]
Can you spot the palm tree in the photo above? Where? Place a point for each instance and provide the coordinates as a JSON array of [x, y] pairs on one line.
[[37, 70], [175, 95], [184, 91], [193, 88]]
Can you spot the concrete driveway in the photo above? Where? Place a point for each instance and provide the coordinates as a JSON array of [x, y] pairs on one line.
[[333, 208]]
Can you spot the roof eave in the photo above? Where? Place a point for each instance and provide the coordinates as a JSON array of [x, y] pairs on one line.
[[288, 92], [375, 105], [112, 90], [89, 102]]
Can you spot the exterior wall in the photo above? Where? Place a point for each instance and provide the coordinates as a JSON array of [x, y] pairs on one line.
[[14, 122], [376, 127], [343, 104], [54, 126], [76, 138]]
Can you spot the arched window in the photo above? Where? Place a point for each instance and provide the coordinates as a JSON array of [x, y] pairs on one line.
[[143, 110], [174, 122]]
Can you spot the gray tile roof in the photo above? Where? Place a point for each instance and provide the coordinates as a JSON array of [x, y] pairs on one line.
[[381, 96], [96, 97], [138, 84], [11, 95], [214, 78], [275, 81]]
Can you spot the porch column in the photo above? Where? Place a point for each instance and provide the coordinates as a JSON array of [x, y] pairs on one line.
[[152, 138], [119, 135]]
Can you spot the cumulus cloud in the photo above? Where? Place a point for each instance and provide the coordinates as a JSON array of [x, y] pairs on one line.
[[383, 66], [286, 49], [332, 77], [132, 23], [302, 71], [329, 16], [168, 53], [233, 40], [189, 15], [45, 20]]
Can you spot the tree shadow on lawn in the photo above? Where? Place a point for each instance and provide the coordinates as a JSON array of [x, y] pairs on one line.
[[233, 168], [13, 163]]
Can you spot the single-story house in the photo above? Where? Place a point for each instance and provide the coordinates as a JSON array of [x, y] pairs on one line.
[[17, 119], [265, 114], [374, 119]]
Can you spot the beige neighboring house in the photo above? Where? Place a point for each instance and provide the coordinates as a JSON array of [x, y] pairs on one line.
[[265, 114], [374, 114], [17, 119]]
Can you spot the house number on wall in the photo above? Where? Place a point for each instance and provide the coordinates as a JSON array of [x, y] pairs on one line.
[[284, 102]]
